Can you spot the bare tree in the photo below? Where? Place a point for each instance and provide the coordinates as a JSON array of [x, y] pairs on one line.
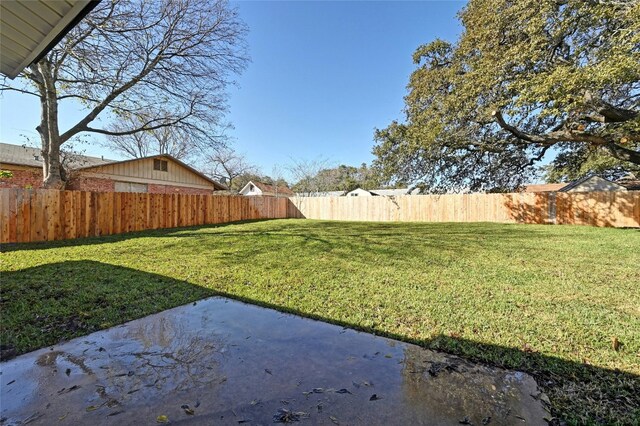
[[125, 59], [278, 178], [225, 165], [306, 174], [174, 140]]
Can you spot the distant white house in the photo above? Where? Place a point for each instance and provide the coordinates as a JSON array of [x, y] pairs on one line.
[[252, 189], [359, 192], [586, 184]]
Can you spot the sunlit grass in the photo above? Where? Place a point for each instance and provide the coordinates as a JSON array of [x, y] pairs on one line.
[[545, 299]]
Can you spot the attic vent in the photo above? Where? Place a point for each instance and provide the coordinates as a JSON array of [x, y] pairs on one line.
[[35, 157], [160, 165]]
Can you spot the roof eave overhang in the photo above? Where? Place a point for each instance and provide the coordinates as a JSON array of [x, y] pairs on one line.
[[64, 25]]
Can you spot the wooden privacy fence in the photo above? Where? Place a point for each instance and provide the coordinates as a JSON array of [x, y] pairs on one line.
[[47, 215], [619, 209]]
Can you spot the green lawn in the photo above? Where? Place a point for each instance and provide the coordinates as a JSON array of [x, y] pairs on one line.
[[544, 299]]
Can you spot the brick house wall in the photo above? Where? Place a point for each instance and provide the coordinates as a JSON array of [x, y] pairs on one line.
[[92, 184], [27, 178], [153, 188]]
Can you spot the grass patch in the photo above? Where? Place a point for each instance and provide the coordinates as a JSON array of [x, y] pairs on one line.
[[543, 299]]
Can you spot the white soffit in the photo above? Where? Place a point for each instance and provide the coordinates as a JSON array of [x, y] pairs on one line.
[[30, 28]]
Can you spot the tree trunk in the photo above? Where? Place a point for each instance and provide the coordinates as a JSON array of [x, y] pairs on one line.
[[48, 129], [53, 179]]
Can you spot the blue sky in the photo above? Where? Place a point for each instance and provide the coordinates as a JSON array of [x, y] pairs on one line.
[[323, 75]]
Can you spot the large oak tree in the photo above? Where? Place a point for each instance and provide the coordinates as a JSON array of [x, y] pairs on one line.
[[526, 80], [145, 65]]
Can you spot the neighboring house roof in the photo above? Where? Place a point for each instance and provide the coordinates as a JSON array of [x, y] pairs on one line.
[[32, 157], [394, 192], [589, 183], [24, 155], [267, 189], [271, 189], [545, 187], [30, 29], [385, 192], [593, 183], [321, 194], [630, 182]]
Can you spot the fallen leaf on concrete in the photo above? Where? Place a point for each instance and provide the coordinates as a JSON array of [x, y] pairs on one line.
[[287, 416], [162, 419]]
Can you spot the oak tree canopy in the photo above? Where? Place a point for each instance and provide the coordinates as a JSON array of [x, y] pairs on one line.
[[526, 80]]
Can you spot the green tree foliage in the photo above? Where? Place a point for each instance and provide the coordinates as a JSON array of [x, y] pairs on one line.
[[341, 178], [526, 80]]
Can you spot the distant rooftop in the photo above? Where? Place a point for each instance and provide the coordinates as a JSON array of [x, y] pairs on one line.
[[544, 187]]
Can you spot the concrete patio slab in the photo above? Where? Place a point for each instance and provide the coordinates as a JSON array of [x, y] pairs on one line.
[[225, 362]]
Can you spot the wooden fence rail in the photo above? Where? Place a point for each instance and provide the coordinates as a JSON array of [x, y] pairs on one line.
[[47, 215], [617, 209]]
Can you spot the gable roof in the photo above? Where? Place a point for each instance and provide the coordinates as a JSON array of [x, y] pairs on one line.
[[30, 29], [216, 185], [623, 184], [578, 182], [269, 189]]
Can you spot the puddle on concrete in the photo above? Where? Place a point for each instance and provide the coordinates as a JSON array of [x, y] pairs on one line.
[[226, 362]]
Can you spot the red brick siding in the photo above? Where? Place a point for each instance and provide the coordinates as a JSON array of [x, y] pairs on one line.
[[171, 189], [22, 179], [93, 184]]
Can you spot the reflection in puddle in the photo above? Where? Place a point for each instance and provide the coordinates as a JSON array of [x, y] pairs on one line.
[[226, 362]]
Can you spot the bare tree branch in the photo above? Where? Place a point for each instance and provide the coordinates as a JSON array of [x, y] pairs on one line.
[[128, 59]]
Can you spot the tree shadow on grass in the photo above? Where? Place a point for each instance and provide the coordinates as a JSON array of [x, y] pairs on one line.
[[46, 304], [114, 238]]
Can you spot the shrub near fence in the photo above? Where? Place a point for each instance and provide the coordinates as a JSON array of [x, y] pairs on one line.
[[618, 209], [47, 215]]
